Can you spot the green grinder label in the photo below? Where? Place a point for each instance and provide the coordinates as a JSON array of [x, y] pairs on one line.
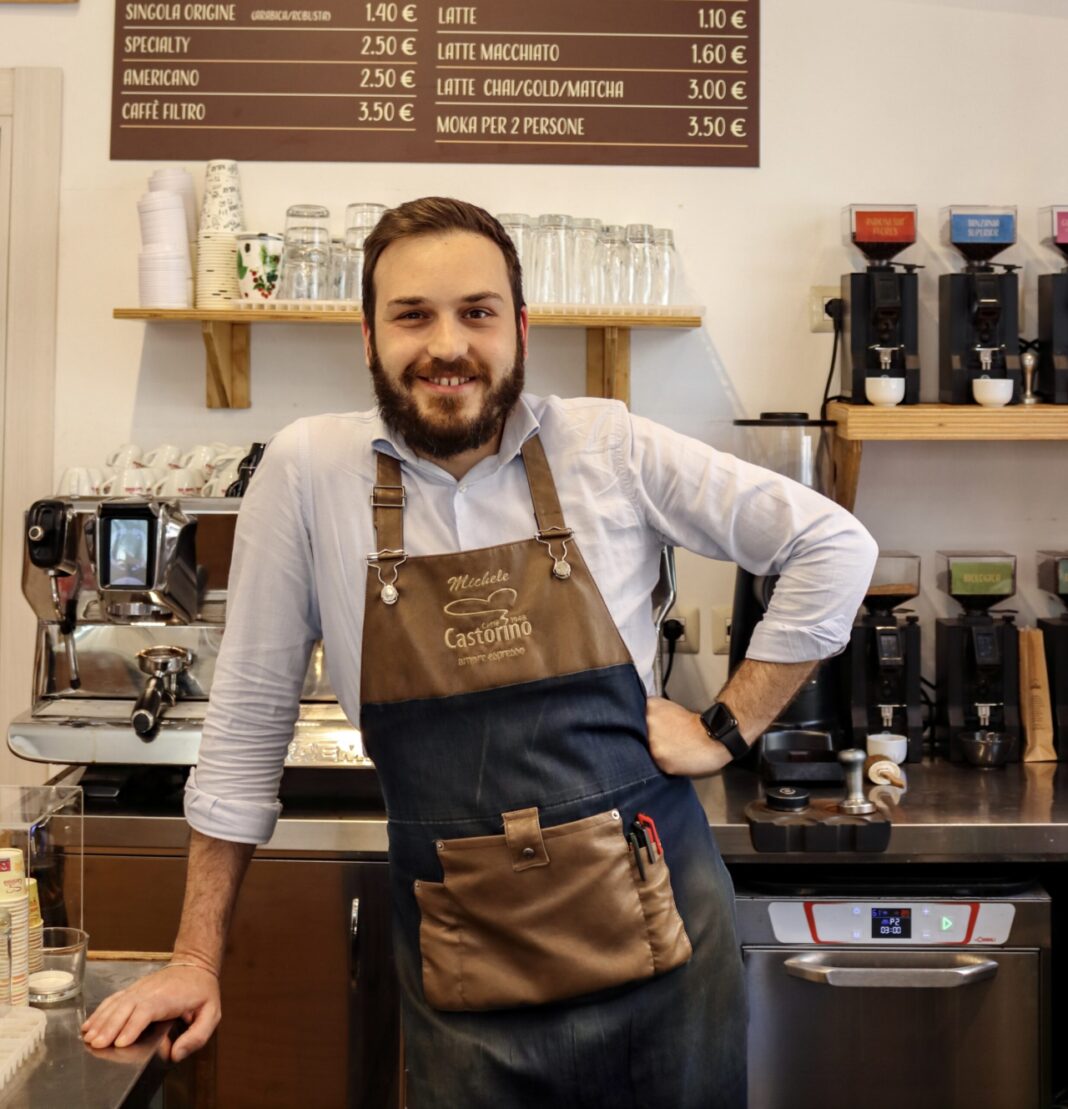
[[981, 578]]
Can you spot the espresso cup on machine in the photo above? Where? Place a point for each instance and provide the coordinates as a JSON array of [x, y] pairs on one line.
[[129, 454], [166, 454], [185, 482], [885, 391], [129, 481]]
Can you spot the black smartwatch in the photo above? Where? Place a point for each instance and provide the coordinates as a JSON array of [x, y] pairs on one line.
[[722, 727]]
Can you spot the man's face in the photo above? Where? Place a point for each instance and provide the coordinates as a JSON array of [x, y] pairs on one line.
[[445, 355]]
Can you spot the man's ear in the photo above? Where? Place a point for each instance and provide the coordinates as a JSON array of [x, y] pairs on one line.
[[366, 342]]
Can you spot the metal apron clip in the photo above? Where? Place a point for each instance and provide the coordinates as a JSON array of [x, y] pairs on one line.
[[389, 593], [561, 567]]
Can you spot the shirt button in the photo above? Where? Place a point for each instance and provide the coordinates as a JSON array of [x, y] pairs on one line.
[[461, 488], [528, 852]]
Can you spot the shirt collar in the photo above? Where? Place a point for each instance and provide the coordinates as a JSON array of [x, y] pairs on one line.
[[519, 425]]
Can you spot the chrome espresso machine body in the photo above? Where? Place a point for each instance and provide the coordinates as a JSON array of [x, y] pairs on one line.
[[130, 598]]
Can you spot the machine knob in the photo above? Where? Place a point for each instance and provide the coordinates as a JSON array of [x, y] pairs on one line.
[[855, 803]]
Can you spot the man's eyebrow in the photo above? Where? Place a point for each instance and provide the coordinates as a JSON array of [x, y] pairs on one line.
[[471, 298]]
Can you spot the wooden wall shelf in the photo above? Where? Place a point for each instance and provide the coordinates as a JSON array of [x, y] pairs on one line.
[[226, 342], [861, 423]]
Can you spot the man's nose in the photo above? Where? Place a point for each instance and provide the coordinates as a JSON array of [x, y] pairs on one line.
[[447, 340]]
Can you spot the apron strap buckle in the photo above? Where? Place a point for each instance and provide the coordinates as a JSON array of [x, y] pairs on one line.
[[522, 832], [547, 536]]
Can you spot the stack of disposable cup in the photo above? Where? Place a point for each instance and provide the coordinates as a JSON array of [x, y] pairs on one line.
[[177, 180], [36, 947], [5, 959], [217, 283], [221, 218], [15, 902], [164, 268]]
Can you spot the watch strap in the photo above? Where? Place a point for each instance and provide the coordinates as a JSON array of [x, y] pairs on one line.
[[721, 726]]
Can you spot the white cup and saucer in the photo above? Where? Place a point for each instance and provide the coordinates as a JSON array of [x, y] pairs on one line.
[[889, 745], [129, 454], [80, 481], [992, 392], [185, 482], [885, 391]]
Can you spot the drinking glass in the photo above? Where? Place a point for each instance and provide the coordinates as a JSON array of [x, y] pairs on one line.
[[615, 265], [520, 229], [666, 266], [360, 221], [551, 260], [63, 972], [642, 262], [307, 215], [585, 261], [305, 270], [363, 216]]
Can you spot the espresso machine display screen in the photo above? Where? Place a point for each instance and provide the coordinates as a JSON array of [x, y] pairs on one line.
[[891, 924], [127, 547]]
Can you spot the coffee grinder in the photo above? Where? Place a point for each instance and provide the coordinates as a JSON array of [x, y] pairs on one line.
[[1053, 578], [880, 325], [1053, 312], [802, 742], [977, 654], [978, 310], [884, 656]]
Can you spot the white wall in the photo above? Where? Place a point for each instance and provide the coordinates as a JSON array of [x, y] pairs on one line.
[[913, 101]]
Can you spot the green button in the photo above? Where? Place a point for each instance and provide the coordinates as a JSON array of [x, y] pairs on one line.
[[946, 924]]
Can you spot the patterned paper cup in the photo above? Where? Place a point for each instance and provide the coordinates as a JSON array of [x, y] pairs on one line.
[[258, 257]]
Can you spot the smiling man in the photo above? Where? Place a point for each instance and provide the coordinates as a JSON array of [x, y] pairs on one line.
[[479, 563]]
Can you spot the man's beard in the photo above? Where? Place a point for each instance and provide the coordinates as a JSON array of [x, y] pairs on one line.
[[449, 434]]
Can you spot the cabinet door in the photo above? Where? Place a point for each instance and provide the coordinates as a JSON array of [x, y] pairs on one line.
[[310, 1011]]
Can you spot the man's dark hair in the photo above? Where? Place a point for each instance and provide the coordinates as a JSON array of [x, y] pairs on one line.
[[428, 216]]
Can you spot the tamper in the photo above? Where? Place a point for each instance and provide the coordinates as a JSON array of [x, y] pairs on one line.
[[855, 803]]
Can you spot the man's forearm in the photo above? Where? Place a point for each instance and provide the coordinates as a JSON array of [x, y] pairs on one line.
[[759, 691], [213, 878]]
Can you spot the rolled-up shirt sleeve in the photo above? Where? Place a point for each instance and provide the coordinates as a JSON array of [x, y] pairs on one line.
[[272, 622], [719, 506]]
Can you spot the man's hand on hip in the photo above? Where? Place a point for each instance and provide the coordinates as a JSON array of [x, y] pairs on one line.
[[679, 742]]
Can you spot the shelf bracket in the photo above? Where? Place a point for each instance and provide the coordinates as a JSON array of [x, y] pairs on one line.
[[847, 454], [608, 363], [227, 349]]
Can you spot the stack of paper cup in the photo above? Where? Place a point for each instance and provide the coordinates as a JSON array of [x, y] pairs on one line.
[[177, 180], [164, 268], [36, 948], [15, 902], [5, 958], [217, 283]]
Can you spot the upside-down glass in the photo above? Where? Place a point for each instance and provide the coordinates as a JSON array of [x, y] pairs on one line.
[[615, 265], [642, 262], [305, 270], [585, 261], [665, 266], [360, 220], [552, 269], [520, 228]]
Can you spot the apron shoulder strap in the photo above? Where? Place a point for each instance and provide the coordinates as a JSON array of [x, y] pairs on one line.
[[547, 509], [387, 502]]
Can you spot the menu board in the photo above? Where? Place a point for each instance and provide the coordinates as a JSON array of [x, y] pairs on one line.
[[608, 82]]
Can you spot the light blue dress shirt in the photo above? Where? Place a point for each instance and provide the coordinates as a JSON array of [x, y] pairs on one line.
[[627, 487]]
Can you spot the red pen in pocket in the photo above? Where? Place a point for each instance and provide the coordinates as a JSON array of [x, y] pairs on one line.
[[649, 825]]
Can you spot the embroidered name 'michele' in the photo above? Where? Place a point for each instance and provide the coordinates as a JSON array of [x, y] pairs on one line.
[[466, 581]]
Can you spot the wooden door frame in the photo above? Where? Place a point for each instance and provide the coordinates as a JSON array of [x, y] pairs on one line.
[[31, 115]]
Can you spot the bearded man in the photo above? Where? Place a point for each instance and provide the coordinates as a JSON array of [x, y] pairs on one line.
[[479, 563]]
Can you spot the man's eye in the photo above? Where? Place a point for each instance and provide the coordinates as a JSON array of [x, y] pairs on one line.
[[479, 314]]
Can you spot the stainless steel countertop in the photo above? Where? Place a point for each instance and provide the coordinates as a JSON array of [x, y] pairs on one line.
[[950, 813], [64, 1072]]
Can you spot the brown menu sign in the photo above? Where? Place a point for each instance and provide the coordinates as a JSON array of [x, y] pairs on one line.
[[615, 82]]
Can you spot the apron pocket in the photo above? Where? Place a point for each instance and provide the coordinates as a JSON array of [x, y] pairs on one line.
[[544, 914]]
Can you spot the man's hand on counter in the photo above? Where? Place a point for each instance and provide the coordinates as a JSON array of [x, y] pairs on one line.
[[189, 992], [679, 742]]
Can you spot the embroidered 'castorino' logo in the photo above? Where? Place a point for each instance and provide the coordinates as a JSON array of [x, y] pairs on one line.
[[492, 613]]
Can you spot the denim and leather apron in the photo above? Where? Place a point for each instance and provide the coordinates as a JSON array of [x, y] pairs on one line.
[[544, 957]]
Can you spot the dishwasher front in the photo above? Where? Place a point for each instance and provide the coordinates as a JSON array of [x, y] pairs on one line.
[[887, 995]]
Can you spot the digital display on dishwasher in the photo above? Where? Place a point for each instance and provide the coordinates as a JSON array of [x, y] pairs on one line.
[[891, 924]]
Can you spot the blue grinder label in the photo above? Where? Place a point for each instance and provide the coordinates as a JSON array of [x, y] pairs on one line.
[[988, 227]]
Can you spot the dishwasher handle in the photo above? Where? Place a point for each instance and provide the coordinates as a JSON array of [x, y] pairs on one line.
[[958, 971]]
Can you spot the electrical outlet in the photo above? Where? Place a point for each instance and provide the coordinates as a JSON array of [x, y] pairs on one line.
[[690, 618], [721, 629], [818, 295]]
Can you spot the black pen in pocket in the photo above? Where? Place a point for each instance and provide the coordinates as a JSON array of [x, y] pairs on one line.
[[636, 847]]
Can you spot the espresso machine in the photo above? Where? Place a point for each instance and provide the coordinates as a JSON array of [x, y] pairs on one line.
[[880, 325], [977, 653], [884, 656], [1053, 578], [803, 741], [130, 598], [978, 310], [1053, 313]]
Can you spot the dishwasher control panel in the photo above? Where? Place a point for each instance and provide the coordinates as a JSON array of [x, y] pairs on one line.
[[893, 923]]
